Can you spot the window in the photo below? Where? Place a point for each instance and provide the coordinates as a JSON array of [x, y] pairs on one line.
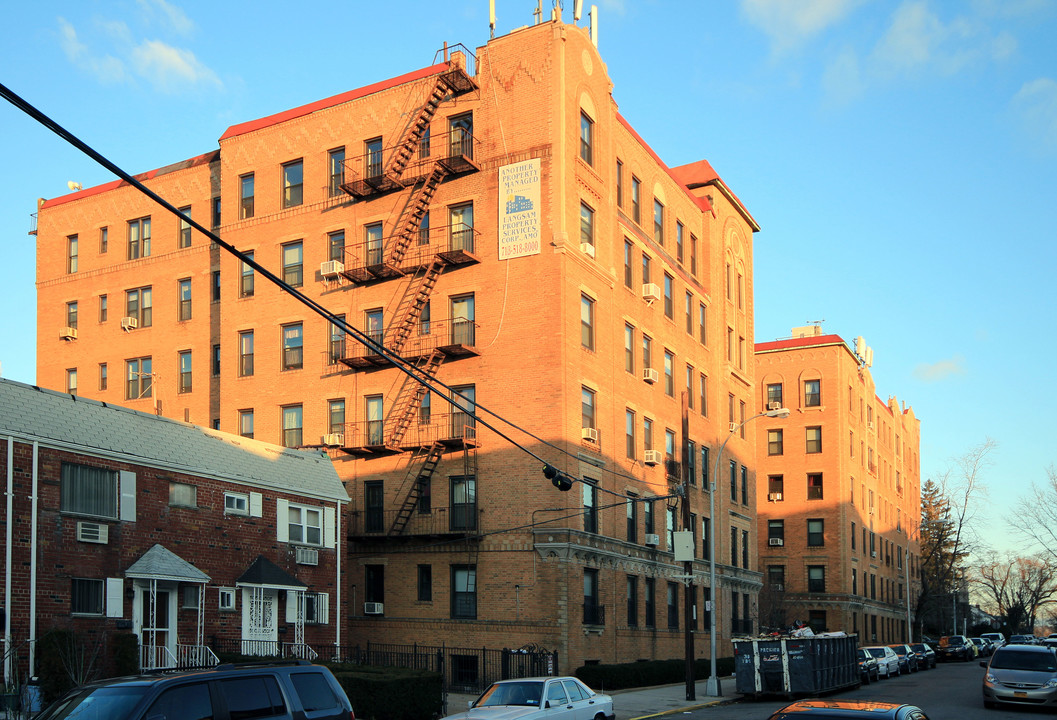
[[463, 326], [102, 376], [629, 250], [633, 600], [138, 304], [336, 170], [745, 549], [215, 364], [647, 352], [774, 442], [86, 596], [812, 393], [587, 131], [305, 525], [679, 229], [461, 129], [102, 308], [734, 547], [636, 192], [704, 468], [691, 466], [815, 535], [629, 434], [71, 254], [71, 381], [702, 391], [690, 314], [246, 196], [631, 508], [88, 490], [185, 371], [587, 225], [104, 240], [594, 612], [226, 599], [590, 504], [293, 350], [693, 254], [673, 606], [184, 240], [744, 485], [733, 481], [375, 249], [690, 386], [774, 395], [292, 425], [373, 405], [293, 264], [776, 485], [184, 297], [669, 301], [183, 495], [246, 278], [645, 269], [776, 577], [647, 434], [669, 374], [648, 518], [620, 183], [425, 144], [216, 212], [813, 436], [336, 345], [293, 184], [71, 315], [629, 348], [216, 286], [814, 486], [460, 218], [658, 222], [816, 578], [246, 423], [425, 583], [374, 583], [651, 602], [138, 238], [336, 416], [138, 378], [336, 245], [464, 592], [775, 531], [373, 157], [587, 322], [706, 537], [236, 504], [246, 353]]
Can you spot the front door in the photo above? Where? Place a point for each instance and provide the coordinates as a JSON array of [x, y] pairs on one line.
[[260, 624], [154, 622]]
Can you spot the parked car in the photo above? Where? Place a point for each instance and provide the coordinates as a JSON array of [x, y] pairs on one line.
[[998, 639], [908, 661], [983, 647], [554, 698], [869, 669], [887, 660], [1050, 642], [1021, 674], [276, 689], [848, 710], [926, 655], [955, 647], [1021, 639]]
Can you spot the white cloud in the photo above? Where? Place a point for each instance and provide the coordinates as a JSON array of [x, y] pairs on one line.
[[171, 16], [107, 68], [842, 79], [791, 23], [618, 7], [941, 370], [1036, 102], [169, 68]]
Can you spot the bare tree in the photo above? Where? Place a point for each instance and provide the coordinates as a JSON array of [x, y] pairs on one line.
[[1036, 516], [1017, 587]]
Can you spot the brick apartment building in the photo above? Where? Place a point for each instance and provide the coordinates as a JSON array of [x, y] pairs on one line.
[[195, 540], [496, 222], [839, 491]]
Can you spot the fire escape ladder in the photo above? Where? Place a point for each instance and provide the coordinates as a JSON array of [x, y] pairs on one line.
[[415, 298], [417, 476], [413, 135], [416, 209], [410, 396]]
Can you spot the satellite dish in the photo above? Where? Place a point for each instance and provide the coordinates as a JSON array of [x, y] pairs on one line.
[[73, 185]]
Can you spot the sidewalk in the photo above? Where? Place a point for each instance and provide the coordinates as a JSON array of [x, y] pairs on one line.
[[638, 703]]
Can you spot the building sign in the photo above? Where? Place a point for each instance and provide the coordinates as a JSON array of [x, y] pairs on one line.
[[519, 209]]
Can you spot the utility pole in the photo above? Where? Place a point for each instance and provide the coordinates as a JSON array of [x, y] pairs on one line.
[[688, 567]]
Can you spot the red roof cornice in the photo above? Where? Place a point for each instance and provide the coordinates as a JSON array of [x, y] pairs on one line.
[[801, 342], [293, 113]]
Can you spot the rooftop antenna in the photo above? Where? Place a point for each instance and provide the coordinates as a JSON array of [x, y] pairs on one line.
[[491, 19], [73, 185], [538, 12], [556, 11], [593, 23], [578, 10]]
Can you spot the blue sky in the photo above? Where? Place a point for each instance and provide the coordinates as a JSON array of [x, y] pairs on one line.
[[901, 158]]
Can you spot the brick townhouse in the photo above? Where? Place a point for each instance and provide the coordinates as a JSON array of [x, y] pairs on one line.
[[495, 221], [839, 497], [193, 539]]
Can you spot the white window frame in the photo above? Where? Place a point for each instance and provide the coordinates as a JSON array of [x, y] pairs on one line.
[[238, 497], [303, 524], [178, 488], [226, 599]]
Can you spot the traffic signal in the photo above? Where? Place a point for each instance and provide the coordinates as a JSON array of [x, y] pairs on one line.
[[559, 479]]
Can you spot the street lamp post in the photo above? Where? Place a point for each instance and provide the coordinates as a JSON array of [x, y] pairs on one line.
[[712, 685]]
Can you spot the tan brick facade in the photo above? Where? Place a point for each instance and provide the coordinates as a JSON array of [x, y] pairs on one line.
[[524, 357], [838, 491]]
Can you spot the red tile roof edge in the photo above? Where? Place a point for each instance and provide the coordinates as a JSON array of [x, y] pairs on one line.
[[790, 343], [211, 156], [700, 173], [701, 202], [293, 113]]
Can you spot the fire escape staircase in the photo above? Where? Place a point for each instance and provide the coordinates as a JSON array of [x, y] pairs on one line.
[[409, 400], [416, 209], [415, 298], [417, 477]]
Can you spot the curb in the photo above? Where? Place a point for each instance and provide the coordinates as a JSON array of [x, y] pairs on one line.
[[688, 708]]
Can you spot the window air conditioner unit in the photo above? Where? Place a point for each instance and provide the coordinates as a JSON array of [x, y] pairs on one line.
[[589, 434], [651, 292], [870, 424], [774, 497], [334, 440], [129, 323], [331, 268], [651, 375], [733, 427], [773, 405], [873, 553], [68, 333], [779, 587], [652, 457], [587, 249], [653, 539], [91, 532], [307, 556], [372, 608], [775, 542]]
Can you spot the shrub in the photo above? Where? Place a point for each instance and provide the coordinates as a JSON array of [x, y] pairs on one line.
[[386, 693]]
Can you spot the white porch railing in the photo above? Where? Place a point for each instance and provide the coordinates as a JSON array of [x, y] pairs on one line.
[[156, 657], [299, 650], [191, 656], [264, 648]]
